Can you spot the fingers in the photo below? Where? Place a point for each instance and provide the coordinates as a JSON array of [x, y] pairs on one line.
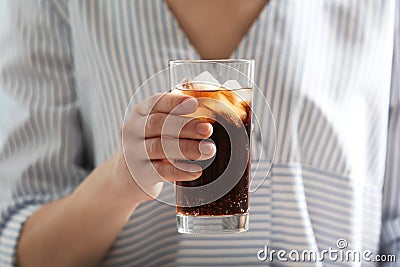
[[159, 115], [161, 124], [157, 134], [167, 103], [179, 149], [178, 171]]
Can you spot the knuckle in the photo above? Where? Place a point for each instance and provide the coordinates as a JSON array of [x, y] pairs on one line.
[[153, 146], [187, 126], [175, 172], [153, 102], [135, 110], [154, 121], [186, 148], [184, 122], [160, 169], [169, 101]]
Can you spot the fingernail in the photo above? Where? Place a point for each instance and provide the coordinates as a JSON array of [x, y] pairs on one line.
[[189, 104], [194, 169], [207, 148], [203, 128], [195, 174]]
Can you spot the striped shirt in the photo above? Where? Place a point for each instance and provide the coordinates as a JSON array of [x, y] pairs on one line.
[[328, 69]]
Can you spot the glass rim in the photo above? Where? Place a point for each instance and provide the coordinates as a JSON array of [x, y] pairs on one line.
[[222, 61]]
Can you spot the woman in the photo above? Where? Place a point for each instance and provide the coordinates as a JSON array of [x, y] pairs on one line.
[[70, 68]]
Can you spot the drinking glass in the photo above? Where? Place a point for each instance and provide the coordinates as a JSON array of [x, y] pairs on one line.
[[218, 201]]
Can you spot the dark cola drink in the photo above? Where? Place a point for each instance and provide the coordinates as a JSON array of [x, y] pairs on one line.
[[229, 111]]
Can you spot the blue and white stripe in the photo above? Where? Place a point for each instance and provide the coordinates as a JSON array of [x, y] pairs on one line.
[[69, 68]]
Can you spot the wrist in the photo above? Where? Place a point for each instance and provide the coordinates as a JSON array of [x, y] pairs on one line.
[[120, 181], [109, 186]]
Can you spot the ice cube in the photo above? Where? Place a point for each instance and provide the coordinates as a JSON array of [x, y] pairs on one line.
[[207, 77], [244, 95], [222, 105], [232, 84]]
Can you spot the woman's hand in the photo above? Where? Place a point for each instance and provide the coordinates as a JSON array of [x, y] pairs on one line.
[[156, 138]]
